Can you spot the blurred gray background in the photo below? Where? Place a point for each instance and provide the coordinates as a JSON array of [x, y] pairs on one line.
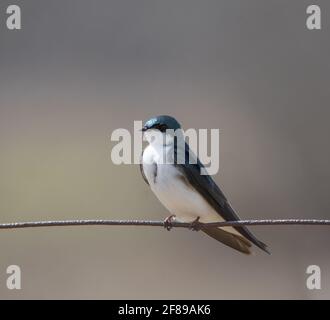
[[80, 69]]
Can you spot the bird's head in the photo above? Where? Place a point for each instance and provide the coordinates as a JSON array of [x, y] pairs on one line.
[[160, 129]]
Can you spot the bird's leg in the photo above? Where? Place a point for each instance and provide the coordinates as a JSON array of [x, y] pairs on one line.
[[168, 222], [195, 225]]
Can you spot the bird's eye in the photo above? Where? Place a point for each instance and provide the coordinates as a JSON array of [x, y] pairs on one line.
[[161, 127]]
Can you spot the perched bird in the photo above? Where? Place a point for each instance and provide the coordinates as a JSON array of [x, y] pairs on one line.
[[183, 190]]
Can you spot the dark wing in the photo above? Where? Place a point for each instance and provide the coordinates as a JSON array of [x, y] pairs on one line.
[[206, 186], [142, 172]]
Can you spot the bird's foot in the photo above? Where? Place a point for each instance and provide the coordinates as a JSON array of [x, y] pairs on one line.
[[195, 225], [168, 222]]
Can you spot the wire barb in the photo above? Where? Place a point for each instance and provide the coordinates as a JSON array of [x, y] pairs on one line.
[[153, 223]]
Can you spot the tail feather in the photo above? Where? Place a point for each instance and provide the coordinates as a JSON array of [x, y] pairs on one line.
[[232, 240]]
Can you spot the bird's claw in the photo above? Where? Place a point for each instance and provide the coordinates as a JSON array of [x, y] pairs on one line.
[[195, 225], [168, 222]]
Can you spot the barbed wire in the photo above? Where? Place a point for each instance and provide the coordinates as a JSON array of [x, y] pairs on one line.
[[156, 223]]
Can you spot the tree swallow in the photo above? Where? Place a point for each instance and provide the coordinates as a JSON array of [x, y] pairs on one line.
[[189, 195]]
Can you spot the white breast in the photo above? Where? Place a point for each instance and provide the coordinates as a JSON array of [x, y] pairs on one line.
[[171, 190]]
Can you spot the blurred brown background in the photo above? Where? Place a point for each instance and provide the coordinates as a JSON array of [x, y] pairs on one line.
[[80, 69]]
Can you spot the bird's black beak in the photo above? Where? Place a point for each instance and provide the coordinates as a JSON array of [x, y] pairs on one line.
[[144, 129]]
